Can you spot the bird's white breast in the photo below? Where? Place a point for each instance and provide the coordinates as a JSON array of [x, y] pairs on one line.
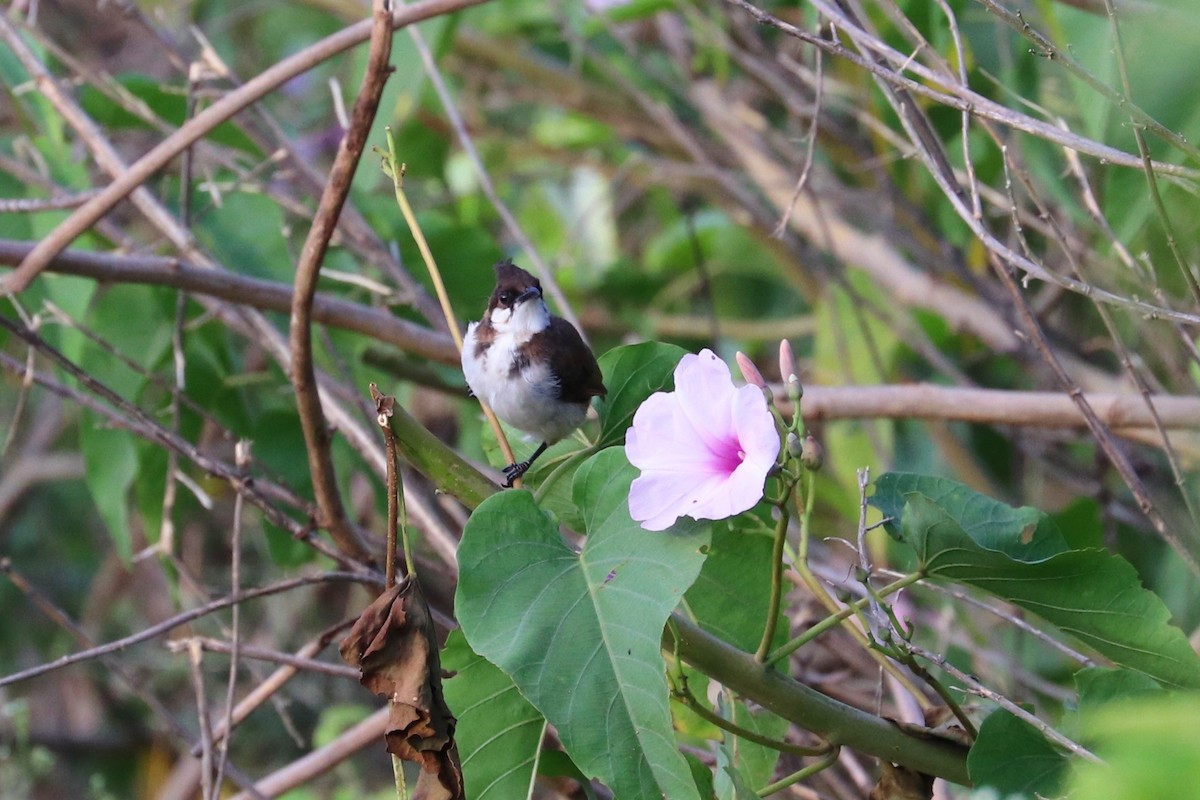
[[527, 400]]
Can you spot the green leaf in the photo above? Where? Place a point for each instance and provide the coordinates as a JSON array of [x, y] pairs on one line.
[[580, 634], [1024, 534], [1098, 686], [742, 764], [110, 465], [499, 734], [632, 373], [1094, 596], [732, 594], [1013, 757]]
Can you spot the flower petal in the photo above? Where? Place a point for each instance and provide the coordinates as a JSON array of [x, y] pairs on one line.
[[658, 499], [705, 389]]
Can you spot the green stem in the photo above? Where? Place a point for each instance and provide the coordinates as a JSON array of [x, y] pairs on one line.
[[684, 695], [833, 620], [560, 470], [776, 574], [796, 777], [401, 784], [427, 454], [830, 719]]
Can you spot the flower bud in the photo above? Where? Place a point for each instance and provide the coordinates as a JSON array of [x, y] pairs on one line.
[[812, 455], [794, 447], [787, 360], [749, 371], [794, 388]]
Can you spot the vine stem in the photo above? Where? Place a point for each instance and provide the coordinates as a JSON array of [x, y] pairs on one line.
[[395, 170], [833, 620], [776, 572], [807, 772]]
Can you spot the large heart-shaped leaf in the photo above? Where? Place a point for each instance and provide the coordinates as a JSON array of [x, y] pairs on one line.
[[579, 633]]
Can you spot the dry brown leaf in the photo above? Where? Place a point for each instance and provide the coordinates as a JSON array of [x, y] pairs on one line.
[[393, 644]]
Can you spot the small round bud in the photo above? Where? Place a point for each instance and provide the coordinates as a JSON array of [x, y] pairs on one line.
[[794, 388], [812, 455], [794, 446], [843, 594]]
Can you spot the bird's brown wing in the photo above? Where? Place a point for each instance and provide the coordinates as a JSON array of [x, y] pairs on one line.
[[572, 362]]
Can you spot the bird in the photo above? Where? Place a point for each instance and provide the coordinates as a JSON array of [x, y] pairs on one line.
[[530, 367]]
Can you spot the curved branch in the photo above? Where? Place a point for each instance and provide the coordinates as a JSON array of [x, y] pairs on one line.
[[317, 435]]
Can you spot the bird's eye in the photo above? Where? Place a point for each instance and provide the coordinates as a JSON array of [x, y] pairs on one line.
[[506, 298]]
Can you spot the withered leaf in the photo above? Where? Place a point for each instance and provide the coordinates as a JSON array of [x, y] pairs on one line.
[[393, 644]]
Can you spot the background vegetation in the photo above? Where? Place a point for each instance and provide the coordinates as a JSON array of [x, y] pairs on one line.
[[962, 194]]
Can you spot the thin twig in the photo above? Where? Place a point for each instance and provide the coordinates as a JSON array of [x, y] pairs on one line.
[[183, 618], [241, 461], [975, 687], [269, 686], [299, 662], [207, 787]]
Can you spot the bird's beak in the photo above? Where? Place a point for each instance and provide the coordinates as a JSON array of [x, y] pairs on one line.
[[529, 294]]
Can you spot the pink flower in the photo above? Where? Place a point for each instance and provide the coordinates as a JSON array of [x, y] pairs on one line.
[[704, 450]]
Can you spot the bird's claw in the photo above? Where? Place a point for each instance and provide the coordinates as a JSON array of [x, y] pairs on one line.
[[514, 471]]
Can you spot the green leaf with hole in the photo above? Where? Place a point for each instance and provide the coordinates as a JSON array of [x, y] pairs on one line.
[[1089, 594], [1024, 534], [499, 734], [632, 373], [580, 633]]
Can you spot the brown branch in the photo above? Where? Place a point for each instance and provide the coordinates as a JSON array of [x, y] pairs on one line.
[[141, 170], [299, 662], [304, 379], [262, 294], [989, 406], [265, 689], [318, 762]]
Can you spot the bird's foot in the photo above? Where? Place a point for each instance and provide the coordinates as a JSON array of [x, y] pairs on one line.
[[514, 471]]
